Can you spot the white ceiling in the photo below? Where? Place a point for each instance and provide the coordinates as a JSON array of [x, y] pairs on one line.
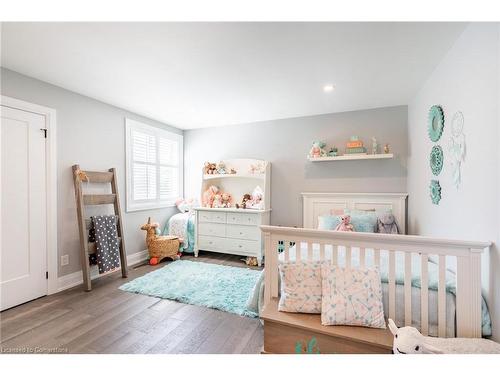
[[193, 75]]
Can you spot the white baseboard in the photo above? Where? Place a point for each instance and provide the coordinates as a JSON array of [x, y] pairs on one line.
[[76, 278]]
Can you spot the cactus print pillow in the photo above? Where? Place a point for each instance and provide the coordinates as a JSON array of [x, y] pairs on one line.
[[300, 287], [351, 297]]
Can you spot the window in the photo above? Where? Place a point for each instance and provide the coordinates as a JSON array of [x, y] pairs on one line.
[[154, 166]]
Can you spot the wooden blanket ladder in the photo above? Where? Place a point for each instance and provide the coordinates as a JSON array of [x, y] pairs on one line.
[[83, 200]]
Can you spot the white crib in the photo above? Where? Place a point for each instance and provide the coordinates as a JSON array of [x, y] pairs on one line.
[[466, 256]]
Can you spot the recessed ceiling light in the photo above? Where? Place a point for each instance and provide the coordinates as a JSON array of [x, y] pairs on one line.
[[328, 88]]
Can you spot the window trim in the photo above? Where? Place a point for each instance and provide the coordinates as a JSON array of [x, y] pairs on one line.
[[131, 125]]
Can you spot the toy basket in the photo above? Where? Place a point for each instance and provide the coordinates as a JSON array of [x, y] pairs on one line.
[[168, 249]]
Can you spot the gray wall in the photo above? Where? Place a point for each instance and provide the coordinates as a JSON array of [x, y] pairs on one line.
[[285, 143], [466, 80], [92, 134]]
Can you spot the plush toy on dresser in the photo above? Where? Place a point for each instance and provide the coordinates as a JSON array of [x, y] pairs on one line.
[[209, 195]]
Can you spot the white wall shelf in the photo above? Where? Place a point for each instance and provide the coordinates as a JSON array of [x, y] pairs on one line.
[[352, 157]]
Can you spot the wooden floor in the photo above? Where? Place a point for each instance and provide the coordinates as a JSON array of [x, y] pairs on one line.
[[108, 320]]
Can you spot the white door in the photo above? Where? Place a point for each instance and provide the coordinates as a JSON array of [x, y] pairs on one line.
[[23, 204]]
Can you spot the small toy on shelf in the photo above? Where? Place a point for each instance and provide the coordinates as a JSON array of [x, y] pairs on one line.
[[386, 148], [334, 151], [317, 149], [221, 168], [210, 168], [355, 146], [233, 171], [258, 168], [208, 196], [345, 225], [226, 200], [244, 201], [374, 146]]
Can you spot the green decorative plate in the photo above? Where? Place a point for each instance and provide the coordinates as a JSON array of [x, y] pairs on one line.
[[435, 190], [436, 123], [436, 160]]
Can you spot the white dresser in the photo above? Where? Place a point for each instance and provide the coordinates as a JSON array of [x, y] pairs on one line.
[[230, 231]]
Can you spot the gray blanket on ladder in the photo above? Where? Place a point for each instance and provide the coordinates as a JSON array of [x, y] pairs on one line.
[[105, 235]]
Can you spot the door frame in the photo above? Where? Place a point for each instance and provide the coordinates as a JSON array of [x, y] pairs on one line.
[[50, 115]]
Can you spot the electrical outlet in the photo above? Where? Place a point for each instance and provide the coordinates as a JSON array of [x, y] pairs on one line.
[[64, 260]]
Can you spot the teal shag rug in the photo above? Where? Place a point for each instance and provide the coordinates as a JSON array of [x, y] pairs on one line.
[[212, 285]]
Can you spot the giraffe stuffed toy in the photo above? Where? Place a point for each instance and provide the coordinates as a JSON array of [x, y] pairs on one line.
[[160, 247]]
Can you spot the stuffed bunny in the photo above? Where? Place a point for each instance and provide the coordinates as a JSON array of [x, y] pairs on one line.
[[387, 224], [408, 340]]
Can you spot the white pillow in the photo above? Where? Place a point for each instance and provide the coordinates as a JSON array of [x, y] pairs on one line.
[[351, 297], [300, 287]]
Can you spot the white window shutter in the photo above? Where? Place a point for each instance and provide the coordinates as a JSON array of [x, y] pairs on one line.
[[154, 166]]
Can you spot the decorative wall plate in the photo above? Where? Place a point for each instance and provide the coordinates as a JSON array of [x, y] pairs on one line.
[[436, 123], [435, 191], [436, 160], [456, 148]]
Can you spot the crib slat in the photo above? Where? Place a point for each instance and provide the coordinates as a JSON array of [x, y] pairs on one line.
[[392, 285], [348, 255], [362, 258], [309, 251], [442, 297], [424, 295], [322, 251], [274, 270], [335, 250], [376, 256], [286, 244], [408, 289], [298, 251]]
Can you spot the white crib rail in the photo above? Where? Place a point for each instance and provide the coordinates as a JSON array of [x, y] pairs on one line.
[[468, 272]]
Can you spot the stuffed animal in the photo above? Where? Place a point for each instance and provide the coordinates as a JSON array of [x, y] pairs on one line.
[[251, 261], [244, 201], [160, 247], [408, 340], [208, 196], [217, 201], [345, 224], [256, 202], [221, 168], [317, 149], [226, 200], [210, 168], [387, 224]]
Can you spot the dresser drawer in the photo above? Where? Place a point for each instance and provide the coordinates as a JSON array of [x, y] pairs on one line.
[[243, 246], [240, 218], [211, 243], [243, 232], [211, 217], [212, 229]]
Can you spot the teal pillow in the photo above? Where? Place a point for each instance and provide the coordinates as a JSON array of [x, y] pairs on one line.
[[363, 221], [328, 222]]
